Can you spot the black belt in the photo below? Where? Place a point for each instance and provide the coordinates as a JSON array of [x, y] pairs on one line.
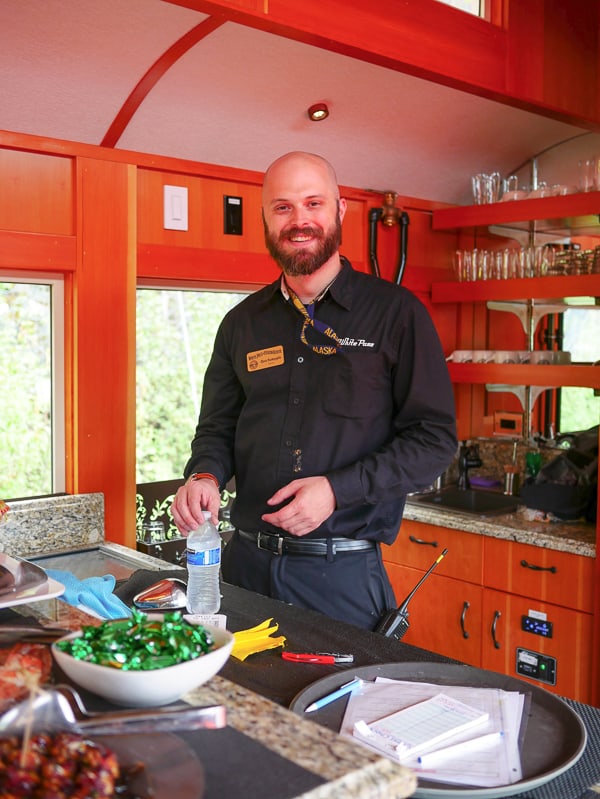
[[286, 545]]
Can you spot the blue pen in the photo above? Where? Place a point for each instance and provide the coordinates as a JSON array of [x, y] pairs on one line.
[[348, 688]]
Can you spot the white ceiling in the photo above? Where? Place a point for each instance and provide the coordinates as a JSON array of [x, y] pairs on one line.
[[239, 98]]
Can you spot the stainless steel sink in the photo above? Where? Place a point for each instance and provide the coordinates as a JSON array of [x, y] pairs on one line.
[[470, 500]]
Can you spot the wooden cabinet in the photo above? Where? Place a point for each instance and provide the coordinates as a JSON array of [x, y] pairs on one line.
[[491, 601], [445, 613]]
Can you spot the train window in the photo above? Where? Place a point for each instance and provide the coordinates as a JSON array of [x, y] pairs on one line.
[[476, 7], [174, 339], [32, 456], [579, 407]]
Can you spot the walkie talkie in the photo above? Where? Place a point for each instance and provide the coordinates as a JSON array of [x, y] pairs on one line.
[[394, 624]]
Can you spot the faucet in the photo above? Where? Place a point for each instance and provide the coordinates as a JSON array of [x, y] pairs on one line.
[[468, 458]]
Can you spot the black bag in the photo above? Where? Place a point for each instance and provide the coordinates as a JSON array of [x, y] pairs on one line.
[[567, 486]]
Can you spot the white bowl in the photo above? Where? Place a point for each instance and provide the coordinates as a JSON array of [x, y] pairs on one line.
[[149, 688]]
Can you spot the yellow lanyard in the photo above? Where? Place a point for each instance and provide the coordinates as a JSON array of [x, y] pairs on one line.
[[310, 321]]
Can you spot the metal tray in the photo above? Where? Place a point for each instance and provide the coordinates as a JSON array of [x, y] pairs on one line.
[[18, 575], [555, 736]]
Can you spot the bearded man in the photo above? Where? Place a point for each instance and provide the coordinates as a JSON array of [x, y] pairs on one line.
[[328, 398]]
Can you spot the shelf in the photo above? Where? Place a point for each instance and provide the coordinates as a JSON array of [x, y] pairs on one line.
[[519, 289], [525, 374], [571, 213]]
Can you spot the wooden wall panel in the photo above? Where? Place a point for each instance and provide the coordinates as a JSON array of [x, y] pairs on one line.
[[36, 192], [102, 404]]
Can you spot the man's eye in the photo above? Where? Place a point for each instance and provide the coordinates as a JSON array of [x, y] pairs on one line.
[[280, 209]]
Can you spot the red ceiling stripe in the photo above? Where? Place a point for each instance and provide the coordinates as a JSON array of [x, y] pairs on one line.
[[154, 74]]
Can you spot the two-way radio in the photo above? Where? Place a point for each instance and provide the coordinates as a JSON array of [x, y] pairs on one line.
[[394, 624]]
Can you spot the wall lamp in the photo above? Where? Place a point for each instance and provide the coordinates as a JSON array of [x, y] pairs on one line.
[[318, 111]]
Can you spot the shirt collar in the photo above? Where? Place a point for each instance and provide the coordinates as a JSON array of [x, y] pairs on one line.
[[340, 289]]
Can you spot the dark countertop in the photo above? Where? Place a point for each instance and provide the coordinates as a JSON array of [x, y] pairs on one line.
[[257, 692]]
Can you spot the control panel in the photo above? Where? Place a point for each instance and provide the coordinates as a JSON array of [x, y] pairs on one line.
[[537, 626], [536, 666]]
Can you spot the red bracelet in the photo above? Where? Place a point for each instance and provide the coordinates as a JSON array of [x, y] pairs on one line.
[[204, 476]]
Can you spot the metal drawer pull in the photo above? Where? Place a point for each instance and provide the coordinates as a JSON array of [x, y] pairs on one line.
[[466, 606], [497, 615], [420, 541], [538, 568]]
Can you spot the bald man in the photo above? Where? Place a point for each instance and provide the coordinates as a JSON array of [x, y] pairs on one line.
[[327, 397]]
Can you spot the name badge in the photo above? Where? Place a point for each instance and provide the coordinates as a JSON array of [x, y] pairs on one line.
[[265, 359]]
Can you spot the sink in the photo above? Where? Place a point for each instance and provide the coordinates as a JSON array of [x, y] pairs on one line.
[[470, 500]]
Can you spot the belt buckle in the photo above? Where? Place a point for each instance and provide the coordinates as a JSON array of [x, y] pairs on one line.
[[267, 537]]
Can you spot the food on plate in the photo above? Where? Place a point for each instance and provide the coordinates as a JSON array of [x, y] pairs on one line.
[[140, 643], [22, 667], [63, 764]]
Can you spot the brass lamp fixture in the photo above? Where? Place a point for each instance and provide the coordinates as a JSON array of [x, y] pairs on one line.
[[318, 111]]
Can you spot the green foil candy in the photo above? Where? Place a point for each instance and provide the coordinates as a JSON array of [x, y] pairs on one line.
[[140, 643]]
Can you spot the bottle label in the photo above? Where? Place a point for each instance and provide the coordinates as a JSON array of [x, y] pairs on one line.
[[206, 557]]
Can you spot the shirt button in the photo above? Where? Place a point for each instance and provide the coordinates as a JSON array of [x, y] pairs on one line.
[[288, 443], [296, 401], [300, 359]]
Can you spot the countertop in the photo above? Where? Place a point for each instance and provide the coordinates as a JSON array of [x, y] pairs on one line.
[[578, 537], [283, 755], [276, 753]]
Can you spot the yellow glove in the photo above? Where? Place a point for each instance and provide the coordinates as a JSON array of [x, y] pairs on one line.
[[256, 639]]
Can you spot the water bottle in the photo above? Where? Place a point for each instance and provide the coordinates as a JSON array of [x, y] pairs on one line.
[[203, 552]]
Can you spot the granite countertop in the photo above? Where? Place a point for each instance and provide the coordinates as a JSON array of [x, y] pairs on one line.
[[578, 538], [334, 766]]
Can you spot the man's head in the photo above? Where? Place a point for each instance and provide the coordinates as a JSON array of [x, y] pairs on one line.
[[302, 212]]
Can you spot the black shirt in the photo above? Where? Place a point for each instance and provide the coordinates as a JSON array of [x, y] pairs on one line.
[[376, 418]]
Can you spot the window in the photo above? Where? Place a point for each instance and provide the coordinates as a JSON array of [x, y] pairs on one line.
[[579, 408], [475, 7], [32, 456], [174, 340]]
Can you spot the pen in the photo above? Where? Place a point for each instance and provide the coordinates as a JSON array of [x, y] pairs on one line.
[[317, 657], [348, 688], [432, 758]]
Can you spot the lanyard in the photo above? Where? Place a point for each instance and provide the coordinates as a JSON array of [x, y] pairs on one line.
[[309, 321]]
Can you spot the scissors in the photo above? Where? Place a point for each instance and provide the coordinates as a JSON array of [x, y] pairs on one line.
[[317, 657]]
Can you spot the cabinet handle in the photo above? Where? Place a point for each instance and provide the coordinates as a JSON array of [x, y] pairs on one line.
[[466, 606], [420, 541], [538, 568], [497, 615]]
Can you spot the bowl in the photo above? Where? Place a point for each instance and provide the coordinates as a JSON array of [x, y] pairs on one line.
[[149, 688]]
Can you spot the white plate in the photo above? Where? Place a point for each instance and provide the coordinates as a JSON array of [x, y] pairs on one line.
[[38, 593]]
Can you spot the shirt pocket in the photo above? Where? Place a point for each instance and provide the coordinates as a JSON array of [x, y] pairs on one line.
[[358, 386]]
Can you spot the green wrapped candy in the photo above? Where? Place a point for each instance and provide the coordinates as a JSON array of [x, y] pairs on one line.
[[140, 643]]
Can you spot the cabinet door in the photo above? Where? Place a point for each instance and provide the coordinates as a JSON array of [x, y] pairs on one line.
[[444, 614], [570, 643], [545, 574], [418, 545]]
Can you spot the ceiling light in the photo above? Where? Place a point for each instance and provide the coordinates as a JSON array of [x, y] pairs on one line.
[[318, 111]]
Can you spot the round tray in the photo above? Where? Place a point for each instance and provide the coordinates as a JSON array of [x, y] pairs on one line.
[[555, 736]]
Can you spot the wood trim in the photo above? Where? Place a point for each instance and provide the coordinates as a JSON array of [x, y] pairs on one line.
[[428, 40], [154, 74], [37, 251]]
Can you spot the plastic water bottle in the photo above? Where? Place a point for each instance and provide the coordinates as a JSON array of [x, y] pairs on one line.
[[203, 552]]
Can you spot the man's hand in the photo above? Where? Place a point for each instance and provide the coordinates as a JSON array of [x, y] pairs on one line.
[[313, 502], [191, 499]]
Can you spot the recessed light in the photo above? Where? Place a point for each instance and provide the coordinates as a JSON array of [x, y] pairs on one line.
[[318, 111]]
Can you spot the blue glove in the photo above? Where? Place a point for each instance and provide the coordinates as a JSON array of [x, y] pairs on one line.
[[95, 593]]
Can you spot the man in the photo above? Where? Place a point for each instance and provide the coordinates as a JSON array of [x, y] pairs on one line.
[[328, 397]]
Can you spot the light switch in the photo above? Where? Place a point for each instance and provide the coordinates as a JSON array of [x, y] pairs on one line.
[[175, 207]]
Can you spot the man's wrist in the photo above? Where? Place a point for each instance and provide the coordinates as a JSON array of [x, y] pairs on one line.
[[203, 476]]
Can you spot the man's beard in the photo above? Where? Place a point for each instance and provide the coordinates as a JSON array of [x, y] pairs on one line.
[[304, 261]]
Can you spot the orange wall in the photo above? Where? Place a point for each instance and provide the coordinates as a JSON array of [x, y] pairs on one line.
[[95, 216]]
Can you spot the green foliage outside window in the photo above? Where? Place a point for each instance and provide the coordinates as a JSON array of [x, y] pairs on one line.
[[175, 336]]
